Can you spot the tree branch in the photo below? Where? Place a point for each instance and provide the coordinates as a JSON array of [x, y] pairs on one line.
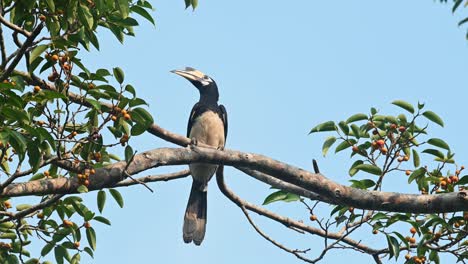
[[317, 183], [21, 51]]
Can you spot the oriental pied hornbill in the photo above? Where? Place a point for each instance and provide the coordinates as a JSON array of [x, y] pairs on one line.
[[207, 124]]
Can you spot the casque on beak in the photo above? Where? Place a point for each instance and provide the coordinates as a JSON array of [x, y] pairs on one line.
[[190, 74]]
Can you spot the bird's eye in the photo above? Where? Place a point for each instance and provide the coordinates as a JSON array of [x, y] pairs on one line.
[[206, 77]]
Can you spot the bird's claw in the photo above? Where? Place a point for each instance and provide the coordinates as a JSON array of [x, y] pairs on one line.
[[193, 142]]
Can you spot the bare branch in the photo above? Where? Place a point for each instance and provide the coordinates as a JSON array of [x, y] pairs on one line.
[[154, 178], [21, 51], [14, 27]]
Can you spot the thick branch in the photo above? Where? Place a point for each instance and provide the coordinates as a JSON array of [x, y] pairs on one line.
[[317, 183]]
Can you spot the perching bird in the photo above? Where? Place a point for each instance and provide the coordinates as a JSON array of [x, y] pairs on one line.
[[208, 125]]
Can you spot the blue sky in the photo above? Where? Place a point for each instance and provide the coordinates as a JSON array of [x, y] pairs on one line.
[[281, 68]]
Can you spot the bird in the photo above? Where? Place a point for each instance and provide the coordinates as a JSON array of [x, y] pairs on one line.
[[207, 124]]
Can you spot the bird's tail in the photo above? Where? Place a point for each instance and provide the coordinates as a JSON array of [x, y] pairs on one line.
[[195, 214]]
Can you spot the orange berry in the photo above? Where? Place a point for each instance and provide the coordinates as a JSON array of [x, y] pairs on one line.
[[462, 167], [351, 209], [76, 244], [37, 89], [46, 173], [40, 215], [127, 117], [406, 158], [123, 111], [443, 183], [87, 225], [313, 218], [355, 148], [400, 159], [375, 232], [384, 150], [114, 118], [380, 142], [407, 172], [402, 129], [42, 18], [67, 223], [413, 230], [55, 57], [412, 240], [91, 86], [393, 126], [86, 183], [407, 256], [7, 204]]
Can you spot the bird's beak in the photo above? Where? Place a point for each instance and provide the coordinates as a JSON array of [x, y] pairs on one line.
[[190, 74]]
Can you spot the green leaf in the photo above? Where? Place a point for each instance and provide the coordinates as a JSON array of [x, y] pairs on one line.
[[362, 184], [118, 73], [356, 131], [47, 248], [356, 117], [405, 105], [344, 127], [438, 143], [327, 126], [60, 253], [281, 196], [51, 5], [142, 117], [128, 153], [123, 8], [434, 118], [101, 200], [95, 104], [91, 236], [416, 160], [82, 189], [117, 196], [36, 52], [454, 8], [327, 144], [102, 220], [353, 170], [85, 16], [194, 4], [138, 129], [344, 145], [21, 207], [89, 251], [142, 12], [434, 256], [274, 197], [372, 169], [416, 174], [463, 180], [18, 142], [393, 247], [434, 152]]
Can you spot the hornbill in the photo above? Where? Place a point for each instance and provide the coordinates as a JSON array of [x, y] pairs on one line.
[[208, 125]]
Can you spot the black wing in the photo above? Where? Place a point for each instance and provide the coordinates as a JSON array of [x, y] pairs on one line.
[[193, 114], [224, 117]]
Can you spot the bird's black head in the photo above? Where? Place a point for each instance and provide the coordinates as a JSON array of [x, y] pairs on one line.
[[205, 85]]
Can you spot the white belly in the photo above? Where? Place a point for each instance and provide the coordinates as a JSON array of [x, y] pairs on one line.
[[208, 129]]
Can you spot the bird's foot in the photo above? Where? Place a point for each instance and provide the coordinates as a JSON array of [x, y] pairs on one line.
[[193, 143]]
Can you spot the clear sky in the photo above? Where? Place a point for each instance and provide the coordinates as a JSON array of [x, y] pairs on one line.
[[281, 67]]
